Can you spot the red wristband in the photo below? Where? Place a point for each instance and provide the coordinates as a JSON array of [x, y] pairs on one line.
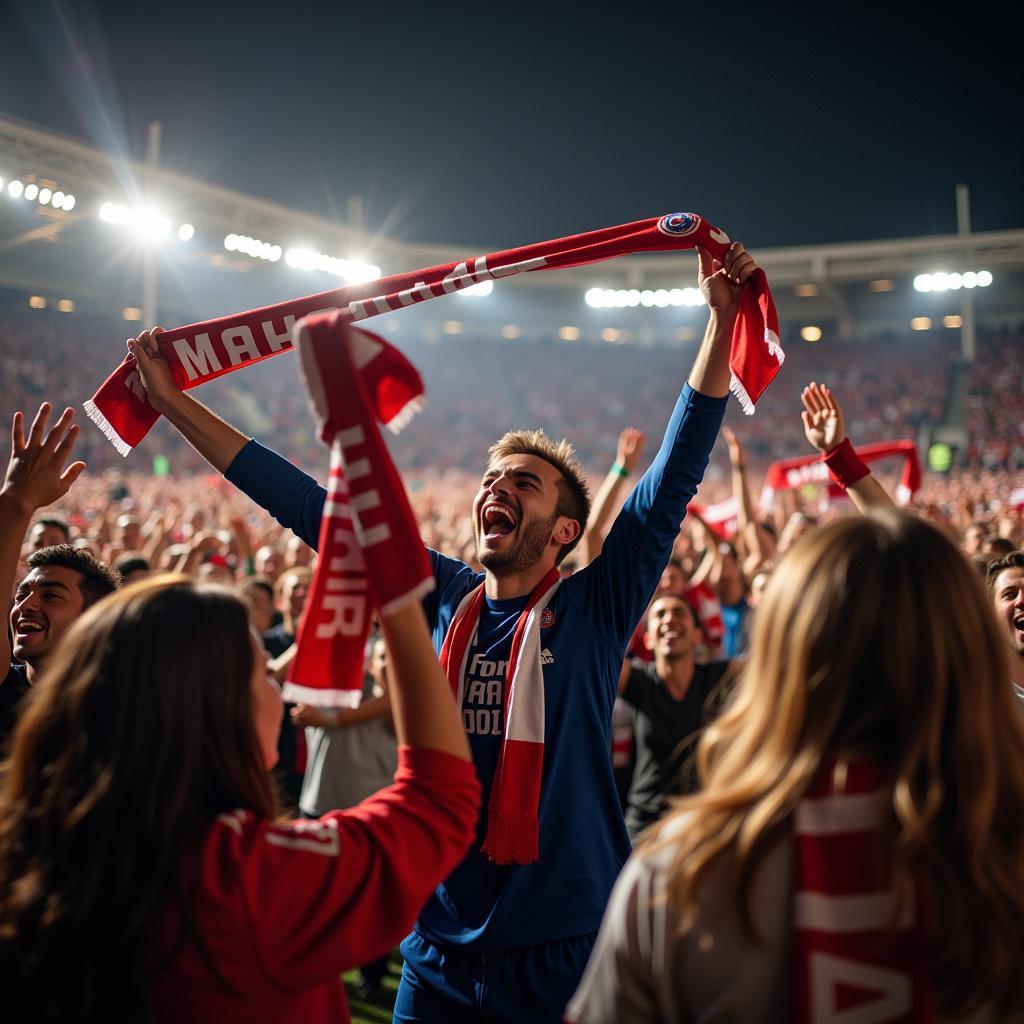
[[845, 465]]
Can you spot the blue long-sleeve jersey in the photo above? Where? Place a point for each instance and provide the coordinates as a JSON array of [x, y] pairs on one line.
[[583, 841]]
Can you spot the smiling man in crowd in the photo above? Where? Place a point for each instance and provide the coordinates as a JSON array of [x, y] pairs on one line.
[[62, 581], [1005, 578]]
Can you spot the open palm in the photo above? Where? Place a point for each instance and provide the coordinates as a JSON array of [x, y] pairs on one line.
[[823, 418]]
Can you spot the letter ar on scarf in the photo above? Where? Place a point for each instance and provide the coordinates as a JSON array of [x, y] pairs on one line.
[[371, 556], [202, 351]]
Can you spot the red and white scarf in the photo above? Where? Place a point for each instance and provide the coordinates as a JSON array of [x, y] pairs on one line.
[[790, 473], [202, 351], [370, 552], [849, 963], [513, 827]]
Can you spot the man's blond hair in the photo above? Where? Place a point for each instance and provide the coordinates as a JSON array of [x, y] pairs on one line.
[[573, 493]]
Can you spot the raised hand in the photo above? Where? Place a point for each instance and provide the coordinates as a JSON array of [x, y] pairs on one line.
[[36, 476], [154, 370], [721, 280], [735, 448], [823, 418], [631, 448]]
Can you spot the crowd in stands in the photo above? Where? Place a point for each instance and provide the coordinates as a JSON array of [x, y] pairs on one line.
[[63, 357], [776, 666]]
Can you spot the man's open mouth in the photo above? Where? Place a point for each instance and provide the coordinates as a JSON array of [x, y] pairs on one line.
[[498, 520]]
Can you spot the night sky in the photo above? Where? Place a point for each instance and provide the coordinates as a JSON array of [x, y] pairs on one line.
[[491, 126]]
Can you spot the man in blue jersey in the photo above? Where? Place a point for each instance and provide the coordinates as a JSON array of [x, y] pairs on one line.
[[505, 942]]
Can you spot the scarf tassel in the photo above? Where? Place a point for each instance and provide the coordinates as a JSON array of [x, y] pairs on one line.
[[512, 840]]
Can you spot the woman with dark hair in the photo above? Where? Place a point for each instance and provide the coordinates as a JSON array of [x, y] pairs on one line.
[[858, 843], [142, 873]]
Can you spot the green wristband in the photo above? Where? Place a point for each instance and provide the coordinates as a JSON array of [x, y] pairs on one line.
[[619, 469]]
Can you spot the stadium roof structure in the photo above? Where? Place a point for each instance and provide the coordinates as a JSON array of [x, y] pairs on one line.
[[215, 240]]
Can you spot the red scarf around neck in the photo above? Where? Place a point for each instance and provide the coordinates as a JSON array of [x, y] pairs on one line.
[[513, 826], [370, 552], [849, 961], [202, 351]]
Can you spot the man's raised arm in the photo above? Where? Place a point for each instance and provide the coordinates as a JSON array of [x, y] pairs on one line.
[[639, 544], [293, 498], [826, 430], [720, 282], [216, 440]]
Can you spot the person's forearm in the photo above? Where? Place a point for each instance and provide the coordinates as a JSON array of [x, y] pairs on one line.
[[867, 494], [15, 518], [741, 491], [593, 538], [703, 570], [216, 440], [377, 707], [710, 374], [423, 707]]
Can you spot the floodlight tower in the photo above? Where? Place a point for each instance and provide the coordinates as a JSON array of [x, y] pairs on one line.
[[149, 293], [963, 228]]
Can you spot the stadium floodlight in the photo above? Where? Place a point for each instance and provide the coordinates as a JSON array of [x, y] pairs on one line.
[[478, 290], [358, 271], [623, 298], [186, 232], [31, 191], [569, 333], [145, 221], [69, 203], [940, 281], [15, 188], [351, 271], [45, 195], [810, 333], [57, 200], [920, 323]]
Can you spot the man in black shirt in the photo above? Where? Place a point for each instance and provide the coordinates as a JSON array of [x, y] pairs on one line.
[[62, 581], [672, 700]]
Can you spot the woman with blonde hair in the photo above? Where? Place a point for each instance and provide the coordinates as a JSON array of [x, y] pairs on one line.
[[857, 852], [143, 873]]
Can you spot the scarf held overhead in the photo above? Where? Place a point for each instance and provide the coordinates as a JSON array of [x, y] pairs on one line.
[[370, 552], [787, 474], [202, 351]]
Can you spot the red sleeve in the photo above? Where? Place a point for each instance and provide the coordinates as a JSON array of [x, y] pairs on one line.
[[323, 896]]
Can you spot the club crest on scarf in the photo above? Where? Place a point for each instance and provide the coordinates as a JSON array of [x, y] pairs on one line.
[[679, 224]]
